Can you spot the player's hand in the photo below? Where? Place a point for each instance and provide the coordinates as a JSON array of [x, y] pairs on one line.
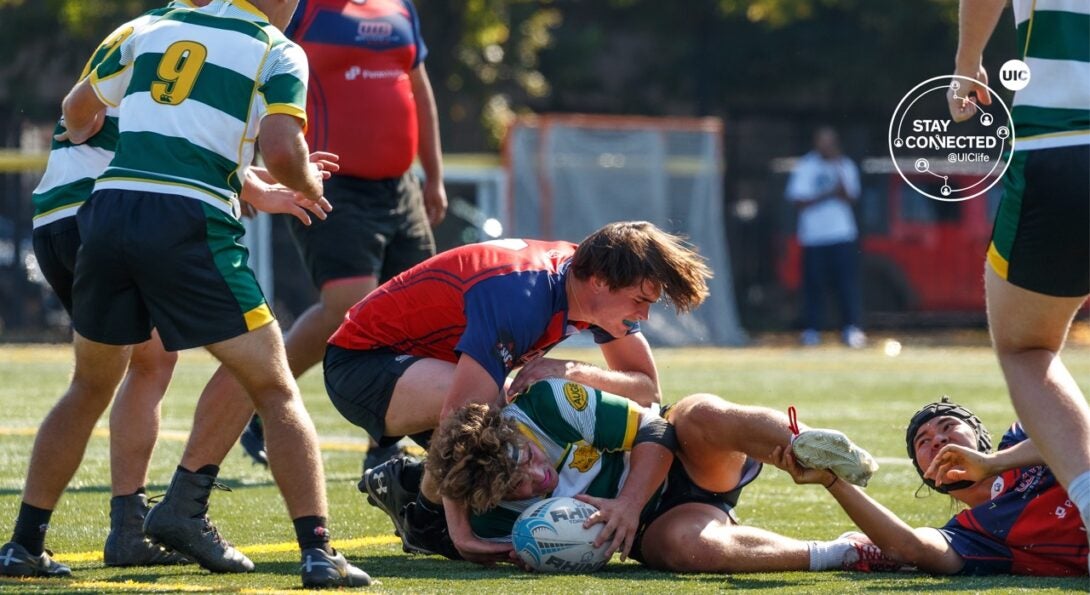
[[82, 135], [621, 520], [471, 547], [956, 463], [326, 163], [536, 370], [281, 199], [435, 201], [785, 459], [963, 100]]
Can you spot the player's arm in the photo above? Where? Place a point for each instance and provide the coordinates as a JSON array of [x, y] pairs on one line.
[[631, 371], [925, 547], [84, 113], [976, 22], [472, 383], [285, 153], [956, 463], [430, 151], [651, 457]]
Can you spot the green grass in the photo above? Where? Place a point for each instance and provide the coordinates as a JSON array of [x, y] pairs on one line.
[[866, 394]]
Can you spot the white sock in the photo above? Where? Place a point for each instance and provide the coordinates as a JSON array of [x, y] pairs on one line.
[[829, 555], [1079, 492]]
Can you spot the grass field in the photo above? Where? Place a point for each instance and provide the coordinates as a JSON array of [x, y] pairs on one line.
[[864, 393]]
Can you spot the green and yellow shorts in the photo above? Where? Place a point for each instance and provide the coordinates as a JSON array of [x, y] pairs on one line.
[[167, 261], [1041, 237]]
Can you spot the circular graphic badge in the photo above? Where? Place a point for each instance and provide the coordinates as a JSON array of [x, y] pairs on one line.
[[943, 159]]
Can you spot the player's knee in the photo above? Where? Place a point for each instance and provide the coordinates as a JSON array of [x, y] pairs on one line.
[[156, 364]]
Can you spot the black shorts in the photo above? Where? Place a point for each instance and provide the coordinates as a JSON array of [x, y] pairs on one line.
[[1041, 238], [164, 260], [55, 248], [680, 489], [377, 227], [361, 385]]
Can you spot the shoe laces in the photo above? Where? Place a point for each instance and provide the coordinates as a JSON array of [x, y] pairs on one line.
[[869, 558]]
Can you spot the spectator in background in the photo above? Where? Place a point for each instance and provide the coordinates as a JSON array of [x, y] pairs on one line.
[[823, 187], [370, 102]]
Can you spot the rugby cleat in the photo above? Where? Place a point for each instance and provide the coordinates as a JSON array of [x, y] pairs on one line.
[[385, 491], [377, 455], [15, 560], [321, 570], [832, 450], [126, 545], [181, 522], [867, 557]]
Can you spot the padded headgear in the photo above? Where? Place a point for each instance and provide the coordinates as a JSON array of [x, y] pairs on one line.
[[941, 408]]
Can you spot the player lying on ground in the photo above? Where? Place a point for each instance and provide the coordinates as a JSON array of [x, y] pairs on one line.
[[1019, 520], [672, 482]]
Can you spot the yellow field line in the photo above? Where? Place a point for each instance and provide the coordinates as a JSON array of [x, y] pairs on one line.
[[254, 550], [340, 444]]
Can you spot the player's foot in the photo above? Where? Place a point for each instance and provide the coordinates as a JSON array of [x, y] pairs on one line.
[[253, 442], [15, 560], [181, 522], [385, 491], [321, 571], [126, 545], [867, 557], [377, 455], [832, 450]]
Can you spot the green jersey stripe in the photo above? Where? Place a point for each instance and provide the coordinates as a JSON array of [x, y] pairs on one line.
[[1031, 121], [200, 19], [539, 405], [62, 196], [150, 151], [1052, 35], [285, 89], [218, 87]]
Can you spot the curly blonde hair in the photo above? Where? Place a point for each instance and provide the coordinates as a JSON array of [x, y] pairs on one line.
[[627, 253], [470, 457]]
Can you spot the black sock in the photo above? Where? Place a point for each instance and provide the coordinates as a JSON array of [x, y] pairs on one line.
[[30, 528], [311, 532], [212, 470]]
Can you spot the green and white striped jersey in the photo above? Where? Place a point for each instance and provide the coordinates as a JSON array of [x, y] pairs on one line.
[[71, 170], [1053, 110], [192, 88], [586, 433]]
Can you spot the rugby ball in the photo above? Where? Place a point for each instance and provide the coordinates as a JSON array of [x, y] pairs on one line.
[[549, 537]]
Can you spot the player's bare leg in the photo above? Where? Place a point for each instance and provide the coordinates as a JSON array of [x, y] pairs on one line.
[[257, 361], [305, 342], [715, 436], [1028, 330], [222, 412], [134, 417], [697, 537], [62, 438]]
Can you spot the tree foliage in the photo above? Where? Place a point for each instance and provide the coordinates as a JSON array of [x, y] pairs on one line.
[[492, 59]]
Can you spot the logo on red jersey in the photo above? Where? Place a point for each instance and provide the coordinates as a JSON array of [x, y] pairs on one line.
[[373, 31]]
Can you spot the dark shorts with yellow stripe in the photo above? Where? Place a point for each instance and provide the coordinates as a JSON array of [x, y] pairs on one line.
[[1041, 237], [162, 260]]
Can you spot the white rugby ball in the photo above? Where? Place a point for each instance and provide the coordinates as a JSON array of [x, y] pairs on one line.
[[549, 536]]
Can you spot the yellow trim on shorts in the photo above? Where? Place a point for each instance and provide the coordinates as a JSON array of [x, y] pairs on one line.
[[258, 317], [997, 262]]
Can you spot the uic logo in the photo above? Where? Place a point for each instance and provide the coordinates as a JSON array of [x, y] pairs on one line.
[[1014, 75]]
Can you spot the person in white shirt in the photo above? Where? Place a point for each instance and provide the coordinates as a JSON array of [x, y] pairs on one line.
[[823, 187]]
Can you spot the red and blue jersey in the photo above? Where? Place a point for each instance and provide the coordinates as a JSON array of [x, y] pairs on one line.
[[1029, 526], [360, 101], [503, 303]]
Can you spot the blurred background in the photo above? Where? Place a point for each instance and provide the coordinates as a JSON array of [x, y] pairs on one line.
[[557, 117]]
